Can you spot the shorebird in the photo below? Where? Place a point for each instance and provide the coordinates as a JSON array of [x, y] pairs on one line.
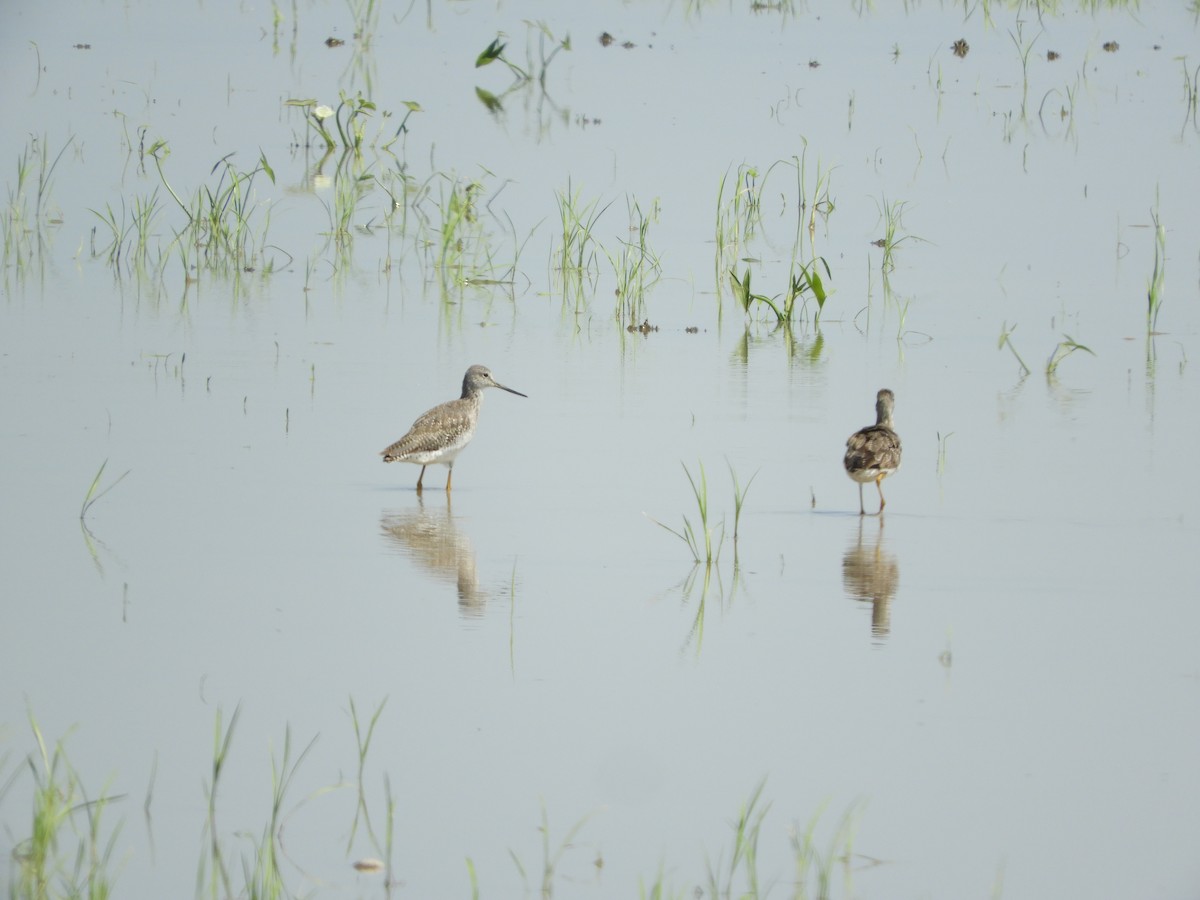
[[440, 434], [873, 453]]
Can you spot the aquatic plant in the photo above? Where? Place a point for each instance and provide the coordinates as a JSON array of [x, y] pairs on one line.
[[1191, 95], [739, 498], [804, 280], [1024, 49], [1006, 341], [362, 739], [942, 440], [744, 856], [92, 496], [1154, 288], [550, 858], [26, 213], [456, 231], [577, 257], [348, 120], [892, 216], [59, 858], [349, 189], [635, 265], [219, 218], [811, 864], [703, 544], [1062, 350], [739, 216], [70, 846], [494, 52], [819, 202], [131, 235]]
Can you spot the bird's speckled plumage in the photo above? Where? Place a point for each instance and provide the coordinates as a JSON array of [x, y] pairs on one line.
[[439, 435], [873, 453]]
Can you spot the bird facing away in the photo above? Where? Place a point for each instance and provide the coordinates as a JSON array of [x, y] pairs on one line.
[[440, 434], [873, 453]]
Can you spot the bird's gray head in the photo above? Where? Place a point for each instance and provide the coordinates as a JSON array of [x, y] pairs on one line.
[[480, 377], [885, 401]]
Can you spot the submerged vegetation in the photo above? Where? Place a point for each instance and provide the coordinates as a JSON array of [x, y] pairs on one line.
[[348, 196], [703, 542], [1158, 275], [72, 847], [27, 213]]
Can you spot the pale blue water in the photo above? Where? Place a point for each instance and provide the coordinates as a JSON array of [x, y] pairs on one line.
[[1017, 705]]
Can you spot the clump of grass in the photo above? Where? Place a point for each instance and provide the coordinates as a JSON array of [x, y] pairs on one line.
[[219, 217], [1154, 288], [363, 740], [739, 216], [943, 440], [349, 188], [348, 120], [746, 833], [130, 236], [262, 873], [1191, 95], [550, 857], [26, 213], [636, 266], [1006, 341], [212, 869], [457, 237], [494, 52], [1062, 350], [893, 224], [703, 543], [45, 865], [92, 496], [819, 203], [814, 866], [805, 281], [739, 498], [1024, 49], [577, 258]]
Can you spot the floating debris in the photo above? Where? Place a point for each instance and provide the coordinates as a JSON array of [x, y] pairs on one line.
[[961, 48], [81, 46], [369, 864]]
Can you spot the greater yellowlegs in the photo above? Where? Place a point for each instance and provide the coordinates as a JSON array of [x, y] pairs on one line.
[[873, 453], [439, 435]]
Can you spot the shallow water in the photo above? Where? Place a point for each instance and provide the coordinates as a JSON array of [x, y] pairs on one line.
[[996, 680]]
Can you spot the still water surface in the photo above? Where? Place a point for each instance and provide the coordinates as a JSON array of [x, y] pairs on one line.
[[996, 682]]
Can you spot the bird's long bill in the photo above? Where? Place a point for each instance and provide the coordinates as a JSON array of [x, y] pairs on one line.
[[510, 390]]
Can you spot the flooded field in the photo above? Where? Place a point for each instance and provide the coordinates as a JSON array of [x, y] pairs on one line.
[[646, 645]]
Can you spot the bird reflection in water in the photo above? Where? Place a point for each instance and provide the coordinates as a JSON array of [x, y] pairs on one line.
[[435, 543], [871, 575]]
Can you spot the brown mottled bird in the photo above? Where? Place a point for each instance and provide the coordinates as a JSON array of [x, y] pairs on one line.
[[873, 453], [440, 434]]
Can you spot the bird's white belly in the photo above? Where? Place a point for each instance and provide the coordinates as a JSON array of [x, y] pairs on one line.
[[866, 476], [443, 455]]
